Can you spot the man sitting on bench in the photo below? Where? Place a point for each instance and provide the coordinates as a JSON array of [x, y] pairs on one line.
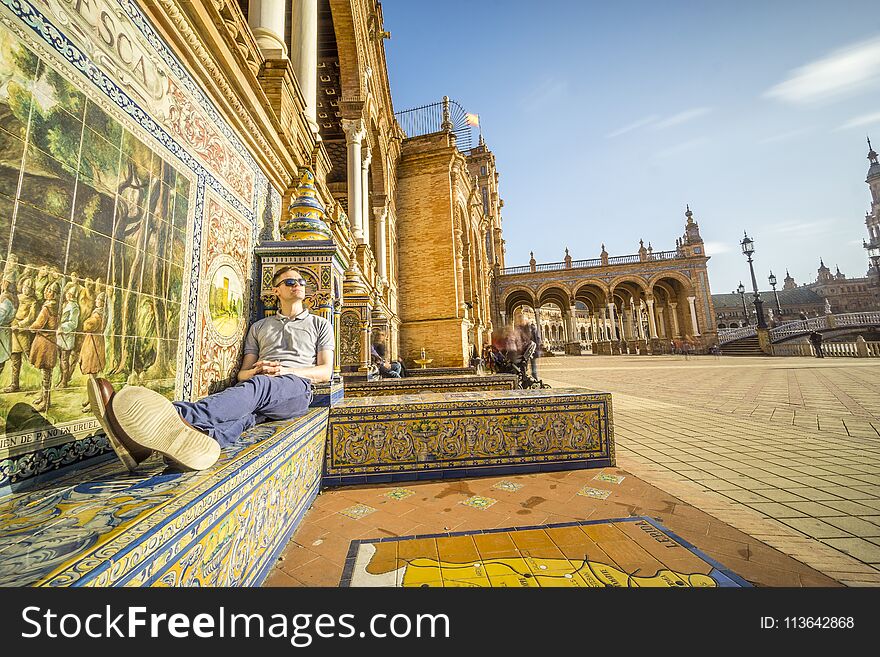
[[283, 355]]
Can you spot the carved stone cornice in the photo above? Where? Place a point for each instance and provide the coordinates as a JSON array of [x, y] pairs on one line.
[[182, 16]]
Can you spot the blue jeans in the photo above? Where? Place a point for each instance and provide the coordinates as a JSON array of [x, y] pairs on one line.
[[227, 414]]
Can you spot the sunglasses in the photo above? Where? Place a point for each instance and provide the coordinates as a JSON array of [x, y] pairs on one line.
[[290, 282]]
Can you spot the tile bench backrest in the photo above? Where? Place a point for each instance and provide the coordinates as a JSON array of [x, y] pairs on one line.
[[432, 435], [415, 385]]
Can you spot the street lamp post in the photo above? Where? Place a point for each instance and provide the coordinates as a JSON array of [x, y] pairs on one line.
[[748, 249], [772, 280], [742, 295]]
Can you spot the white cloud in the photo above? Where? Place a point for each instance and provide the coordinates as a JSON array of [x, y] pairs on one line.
[[845, 71], [860, 121], [714, 248], [635, 125], [682, 117]]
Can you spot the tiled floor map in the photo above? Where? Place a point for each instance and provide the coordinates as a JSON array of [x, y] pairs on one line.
[[624, 552]]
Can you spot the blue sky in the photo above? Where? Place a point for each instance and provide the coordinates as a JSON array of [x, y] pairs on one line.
[[607, 118]]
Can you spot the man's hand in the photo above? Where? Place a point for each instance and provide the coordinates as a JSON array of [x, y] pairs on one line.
[[268, 367], [251, 367]]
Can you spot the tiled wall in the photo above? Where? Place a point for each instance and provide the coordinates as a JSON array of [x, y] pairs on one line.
[[128, 214]]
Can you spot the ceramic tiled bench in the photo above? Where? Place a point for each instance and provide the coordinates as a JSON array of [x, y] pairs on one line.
[[466, 434], [441, 371], [416, 385], [104, 526]]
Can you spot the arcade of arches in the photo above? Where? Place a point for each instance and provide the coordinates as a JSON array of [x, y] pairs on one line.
[[628, 304]]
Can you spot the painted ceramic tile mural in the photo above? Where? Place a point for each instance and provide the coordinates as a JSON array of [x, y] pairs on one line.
[[128, 212], [92, 233]]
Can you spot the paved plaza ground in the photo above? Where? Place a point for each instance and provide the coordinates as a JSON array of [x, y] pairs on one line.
[[769, 466]]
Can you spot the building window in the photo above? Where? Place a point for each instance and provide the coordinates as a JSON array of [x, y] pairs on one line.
[[483, 170]]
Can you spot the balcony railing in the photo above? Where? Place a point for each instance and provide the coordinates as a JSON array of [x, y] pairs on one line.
[[594, 262]]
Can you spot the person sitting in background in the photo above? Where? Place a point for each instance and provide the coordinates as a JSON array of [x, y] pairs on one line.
[[391, 368]]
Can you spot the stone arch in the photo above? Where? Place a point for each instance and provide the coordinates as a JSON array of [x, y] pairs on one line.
[[686, 283], [516, 297], [591, 283], [555, 292], [635, 281]]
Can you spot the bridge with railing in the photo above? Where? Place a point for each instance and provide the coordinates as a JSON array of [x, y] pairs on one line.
[[844, 323]]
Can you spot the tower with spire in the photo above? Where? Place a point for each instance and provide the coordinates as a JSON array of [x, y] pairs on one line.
[[691, 243], [824, 274], [872, 218], [789, 283]]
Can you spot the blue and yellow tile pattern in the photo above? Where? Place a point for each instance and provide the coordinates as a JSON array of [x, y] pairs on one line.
[[104, 526], [464, 434]]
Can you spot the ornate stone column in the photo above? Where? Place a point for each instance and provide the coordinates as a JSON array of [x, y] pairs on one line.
[[673, 310], [381, 215], [459, 272], [266, 18], [537, 312], [641, 324], [694, 316], [611, 321], [304, 54], [365, 192], [627, 316], [366, 361], [621, 335], [354, 134], [662, 321], [652, 326]]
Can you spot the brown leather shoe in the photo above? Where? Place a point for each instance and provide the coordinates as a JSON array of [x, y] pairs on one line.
[[100, 401]]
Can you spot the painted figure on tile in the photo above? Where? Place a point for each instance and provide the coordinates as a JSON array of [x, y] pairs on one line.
[[22, 336], [44, 349], [8, 306], [66, 338], [11, 271], [92, 356], [471, 436], [40, 282], [378, 436]]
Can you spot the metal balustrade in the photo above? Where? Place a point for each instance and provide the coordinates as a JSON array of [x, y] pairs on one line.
[[798, 327], [595, 262], [729, 335], [829, 349], [850, 319]]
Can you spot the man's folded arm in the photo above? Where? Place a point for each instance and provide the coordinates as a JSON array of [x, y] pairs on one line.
[[319, 373]]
